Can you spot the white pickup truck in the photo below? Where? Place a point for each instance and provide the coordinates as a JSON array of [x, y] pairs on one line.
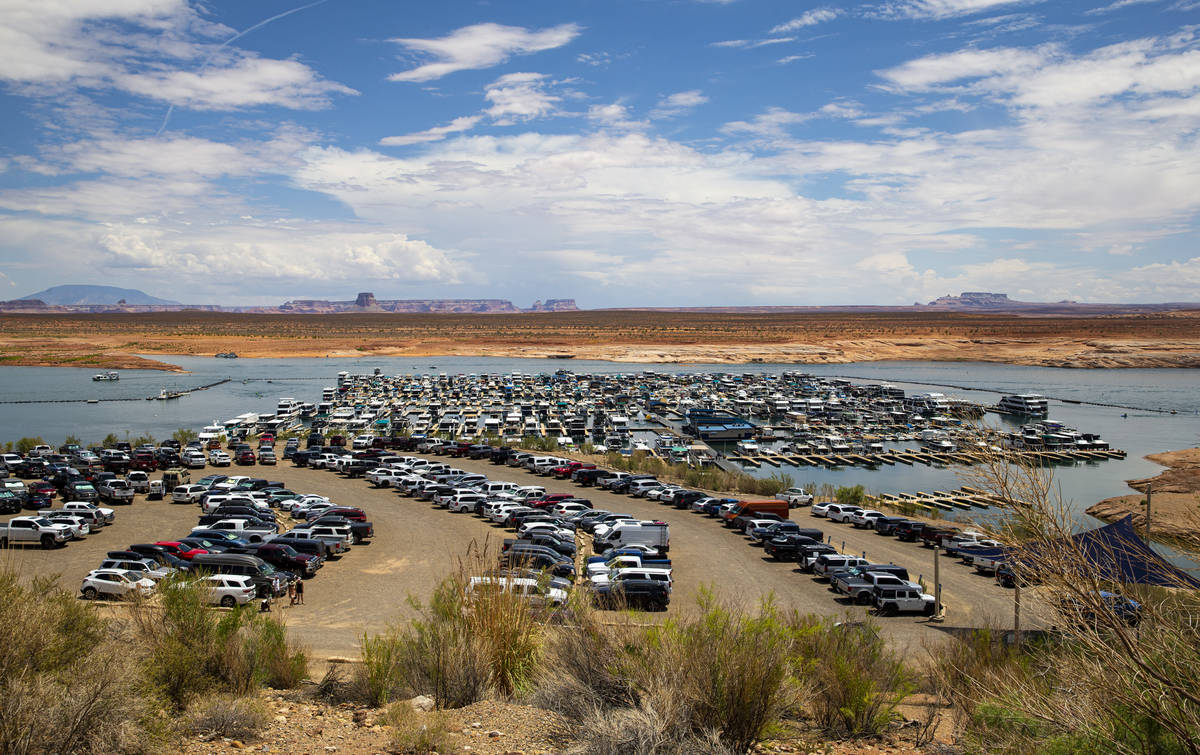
[[33, 529], [795, 497], [382, 477], [115, 491]]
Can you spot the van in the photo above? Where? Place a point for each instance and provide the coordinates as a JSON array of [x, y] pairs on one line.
[[496, 488], [653, 534], [173, 478], [779, 508], [268, 581]]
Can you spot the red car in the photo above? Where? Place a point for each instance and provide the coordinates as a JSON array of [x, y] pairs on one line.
[[43, 490], [550, 500], [180, 550], [144, 461], [246, 458], [457, 450]]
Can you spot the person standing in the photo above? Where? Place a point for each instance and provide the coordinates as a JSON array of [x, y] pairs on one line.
[[300, 591], [292, 594]]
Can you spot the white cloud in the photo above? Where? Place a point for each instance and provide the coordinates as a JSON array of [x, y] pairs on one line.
[[751, 44], [806, 19], [249, 82], [678, 103], [772, 123], [264, 253], [940, 9], [944, 68], [480, 46], [520, 97], [1118, 5], [793, 58], [613, 115], [437, 133], [158, 49]]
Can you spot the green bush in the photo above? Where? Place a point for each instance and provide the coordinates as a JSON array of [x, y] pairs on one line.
[[417, 733], [69, 680], [850, 496], [855, 680], [194, 650], [25, 445], [459, 648]]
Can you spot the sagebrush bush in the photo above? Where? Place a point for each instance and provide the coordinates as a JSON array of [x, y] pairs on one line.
[[227, 716], [417, 733], [69, 680], [193, 650], [721, 673], [462, 646], [854, 679]]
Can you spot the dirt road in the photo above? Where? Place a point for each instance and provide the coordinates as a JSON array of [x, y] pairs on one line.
[[416, 545]]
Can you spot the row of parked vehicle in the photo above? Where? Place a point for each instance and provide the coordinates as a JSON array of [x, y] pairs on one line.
[[630, 568], [971, 547], [239, 550], [767, 523]]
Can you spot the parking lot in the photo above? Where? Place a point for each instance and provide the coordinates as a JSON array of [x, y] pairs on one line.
[[416, 544]]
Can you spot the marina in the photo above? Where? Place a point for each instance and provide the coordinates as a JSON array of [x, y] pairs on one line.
[[245, 386]]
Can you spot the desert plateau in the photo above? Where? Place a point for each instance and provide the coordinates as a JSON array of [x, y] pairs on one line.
[[147, 341]]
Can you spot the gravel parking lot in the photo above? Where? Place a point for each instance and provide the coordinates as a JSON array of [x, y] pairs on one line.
[[415, 546]]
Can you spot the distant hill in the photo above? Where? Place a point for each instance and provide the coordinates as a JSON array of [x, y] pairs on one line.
[[59, 296]]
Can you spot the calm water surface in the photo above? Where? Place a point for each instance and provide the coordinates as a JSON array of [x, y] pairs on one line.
[[1138, 432]]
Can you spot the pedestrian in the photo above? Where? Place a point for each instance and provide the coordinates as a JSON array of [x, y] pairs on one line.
[[291, 594], [300, 591]]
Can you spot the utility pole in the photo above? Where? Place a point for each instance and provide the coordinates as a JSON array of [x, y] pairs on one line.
[[937, 586], [1017, 614], [1149, 493]]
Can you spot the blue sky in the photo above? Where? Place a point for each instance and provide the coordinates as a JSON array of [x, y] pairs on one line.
[[624, 152]]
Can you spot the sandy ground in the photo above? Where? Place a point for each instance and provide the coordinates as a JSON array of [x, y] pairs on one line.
[[1175, 499], [114, 341], [416, 545]]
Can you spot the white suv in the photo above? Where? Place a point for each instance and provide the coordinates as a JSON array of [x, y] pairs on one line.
[[219, 458], [228, 590], [115, 583]]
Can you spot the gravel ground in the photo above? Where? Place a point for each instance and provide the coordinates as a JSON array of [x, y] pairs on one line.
[[416, 545]]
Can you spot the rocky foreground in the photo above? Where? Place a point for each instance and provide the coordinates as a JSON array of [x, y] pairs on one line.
[[301, 725]]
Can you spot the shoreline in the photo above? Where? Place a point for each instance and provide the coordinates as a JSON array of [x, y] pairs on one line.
[[1069, 355], [1175, 498]]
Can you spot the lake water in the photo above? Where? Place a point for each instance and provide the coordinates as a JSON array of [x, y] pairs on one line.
[[266, 380]]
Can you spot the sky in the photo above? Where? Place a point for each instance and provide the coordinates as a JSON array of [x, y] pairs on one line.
[[618, 152]]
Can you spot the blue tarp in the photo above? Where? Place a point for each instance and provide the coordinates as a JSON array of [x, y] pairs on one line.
[[1117, 553]]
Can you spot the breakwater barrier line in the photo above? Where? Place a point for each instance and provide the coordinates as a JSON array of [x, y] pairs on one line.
[[109, 400], [1160, 410]]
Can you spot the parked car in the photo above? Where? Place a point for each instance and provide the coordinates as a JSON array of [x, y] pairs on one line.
[[33, 529], [115, 583]]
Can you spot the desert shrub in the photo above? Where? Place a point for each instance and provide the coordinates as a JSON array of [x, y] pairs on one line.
[[460, 647], [417, 733], [227, 716], [850, 496], [25, 445], [722, 674], [193, 650], [382, 676], [854, 680], [61, 669], [184, 435]]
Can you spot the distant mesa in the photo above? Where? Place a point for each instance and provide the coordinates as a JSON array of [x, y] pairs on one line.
[[82, 295]]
